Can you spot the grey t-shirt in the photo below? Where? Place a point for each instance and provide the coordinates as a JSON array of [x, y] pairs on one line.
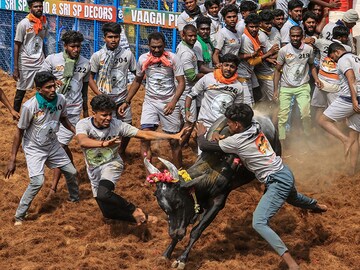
[[160, 81], [41, 125], [327, 65], [265, 68], [254, 150], [245, 70], [31, 55], [327, 34], [189, 60], [185, 19], [55, 64], [214, 27], [199, 53], [124, 61], [346, 62], [96, 157], [295, 64], [228, 41], [275, 37], [217, 97]]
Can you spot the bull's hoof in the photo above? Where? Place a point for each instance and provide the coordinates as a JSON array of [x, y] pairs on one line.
[[178, 265]]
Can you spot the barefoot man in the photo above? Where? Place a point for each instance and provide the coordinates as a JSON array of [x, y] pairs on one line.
[[346, 105], [99, 137]]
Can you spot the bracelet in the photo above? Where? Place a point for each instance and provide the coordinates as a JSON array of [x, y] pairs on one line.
[[127, 102], [187, 109]]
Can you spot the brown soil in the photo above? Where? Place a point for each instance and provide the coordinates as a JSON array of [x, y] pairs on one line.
[[63, 235]]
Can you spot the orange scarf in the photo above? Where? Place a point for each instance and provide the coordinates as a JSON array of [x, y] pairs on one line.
[[220, 78], [255, 41], [164, 59], [38, 23]]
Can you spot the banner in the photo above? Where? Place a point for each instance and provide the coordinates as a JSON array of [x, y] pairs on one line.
[[148, 17], [67, 9]]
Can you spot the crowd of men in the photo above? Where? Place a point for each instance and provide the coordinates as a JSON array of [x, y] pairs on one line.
[[231, 52]]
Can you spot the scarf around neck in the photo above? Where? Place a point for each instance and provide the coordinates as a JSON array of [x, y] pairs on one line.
[[205, 50], [255, 41], [150, 60], [38, 22], [220, 77], [68, 72], [104, 81], [193, 13], [45, 104]]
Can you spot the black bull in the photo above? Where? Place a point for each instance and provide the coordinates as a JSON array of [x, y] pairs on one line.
[[214, 176]]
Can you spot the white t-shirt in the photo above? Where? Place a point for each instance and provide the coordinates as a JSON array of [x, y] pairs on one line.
[[327, 33], [124, 61], [31, 54], [96, 157], [295, 64], [228, 41], [199, 53], [55, 64], [346, 62], [189, 60], [217, 97], [327, 65], [185, 19], [41, 125], [160, 79]]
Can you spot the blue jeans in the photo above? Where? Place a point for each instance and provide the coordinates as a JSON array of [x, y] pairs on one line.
[[280, 188], [36, 183]]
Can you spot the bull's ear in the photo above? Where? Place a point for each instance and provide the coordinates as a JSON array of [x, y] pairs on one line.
[[171, 167], [151, 168]]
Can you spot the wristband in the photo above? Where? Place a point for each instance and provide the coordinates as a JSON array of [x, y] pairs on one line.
[[187, 109], [127, 102]]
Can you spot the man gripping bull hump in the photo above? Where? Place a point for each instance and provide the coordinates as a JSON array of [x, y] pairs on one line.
[[99, 137], [250, 144]]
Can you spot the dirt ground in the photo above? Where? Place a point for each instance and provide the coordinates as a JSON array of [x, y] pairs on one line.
[[63, 235]]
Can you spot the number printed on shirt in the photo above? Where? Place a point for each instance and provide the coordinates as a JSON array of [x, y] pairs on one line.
[[80, 69], [304, 55], [356, 59], [120, 60]]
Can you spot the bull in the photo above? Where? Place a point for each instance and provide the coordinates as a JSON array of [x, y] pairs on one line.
[[213, 177]]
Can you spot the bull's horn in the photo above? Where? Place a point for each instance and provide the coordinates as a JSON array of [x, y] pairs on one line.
[[171, 167], [151, 168]]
